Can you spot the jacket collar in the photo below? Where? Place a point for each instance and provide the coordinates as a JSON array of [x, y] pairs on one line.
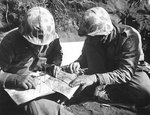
[[109, 39], [112, 37]]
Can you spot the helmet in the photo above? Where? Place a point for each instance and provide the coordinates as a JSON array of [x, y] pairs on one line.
[[95, 21], [38, 26]]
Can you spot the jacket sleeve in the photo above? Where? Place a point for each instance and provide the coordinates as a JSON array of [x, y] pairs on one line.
[[54, 54], [6, 57], [128, 60], [82, 58]]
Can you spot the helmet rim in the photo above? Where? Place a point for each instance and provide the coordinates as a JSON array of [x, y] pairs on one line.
[[38, 26]]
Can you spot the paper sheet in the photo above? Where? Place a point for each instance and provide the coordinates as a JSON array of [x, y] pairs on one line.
[[45, 85]]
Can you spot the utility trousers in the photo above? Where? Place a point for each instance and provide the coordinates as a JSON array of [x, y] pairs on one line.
[[41, 106]]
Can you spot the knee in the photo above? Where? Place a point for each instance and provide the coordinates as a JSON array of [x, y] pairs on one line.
[[144, 95], [31, 108], [41, 107], [142, 82], [45, 107]]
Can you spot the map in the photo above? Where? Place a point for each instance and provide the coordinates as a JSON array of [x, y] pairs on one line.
[[46, 85]]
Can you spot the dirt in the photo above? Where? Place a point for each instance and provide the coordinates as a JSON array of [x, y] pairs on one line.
[[87, 106]]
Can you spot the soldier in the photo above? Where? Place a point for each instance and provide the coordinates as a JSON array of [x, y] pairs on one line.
[[114, 57], [23, 50]]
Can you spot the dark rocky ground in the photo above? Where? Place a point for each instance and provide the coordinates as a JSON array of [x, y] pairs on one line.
[[83, 105], [67, 15]]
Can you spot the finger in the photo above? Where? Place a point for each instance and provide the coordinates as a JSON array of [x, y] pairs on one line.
[[83, 87], [58, 101], [71, 68], [32, 81], [75, 82], [62, 103], [56, 70], [30, 78], [77, 67], [29, 85], [23, 86]]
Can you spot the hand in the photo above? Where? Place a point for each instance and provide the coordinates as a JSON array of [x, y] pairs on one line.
[[56, 70], [52, 70], [74, 67], [84, 80], [23, 82], [99, 90]]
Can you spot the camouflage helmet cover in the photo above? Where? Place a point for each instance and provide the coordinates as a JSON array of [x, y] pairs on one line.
[[38, 26], [95, 21]]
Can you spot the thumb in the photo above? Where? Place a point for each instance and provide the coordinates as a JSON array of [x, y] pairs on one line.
[[80, 89], [83, 87]]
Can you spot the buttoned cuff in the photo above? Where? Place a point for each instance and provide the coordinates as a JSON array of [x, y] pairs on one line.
[[103, 79]]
